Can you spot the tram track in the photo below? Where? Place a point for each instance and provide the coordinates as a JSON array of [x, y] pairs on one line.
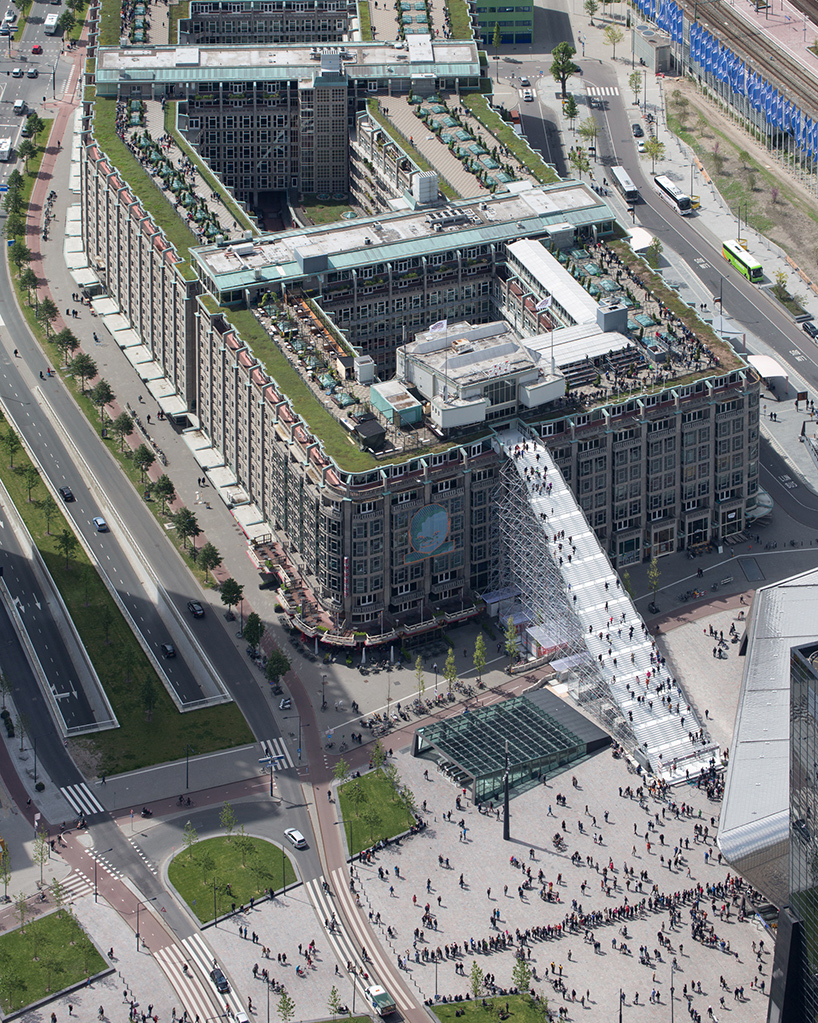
[[793, 78]]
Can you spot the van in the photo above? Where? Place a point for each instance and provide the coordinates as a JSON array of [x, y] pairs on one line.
[[19, 107]]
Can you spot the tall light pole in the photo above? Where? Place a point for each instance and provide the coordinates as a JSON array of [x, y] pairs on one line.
[[137, 917], [188, 751], [506, 815], [323, 690], [95, 871]]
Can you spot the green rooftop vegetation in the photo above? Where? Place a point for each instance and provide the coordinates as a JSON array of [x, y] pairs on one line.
[[142, 184], [175, 13], [337, 441], [459, 19], [109, 23], [409, 149], [230, 205], [365, 21], [326, 211], [477, 104]]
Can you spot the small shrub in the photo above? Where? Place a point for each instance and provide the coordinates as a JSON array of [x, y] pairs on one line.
[[40, 786]]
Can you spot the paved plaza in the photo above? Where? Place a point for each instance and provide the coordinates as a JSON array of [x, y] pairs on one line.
[[491, 882]]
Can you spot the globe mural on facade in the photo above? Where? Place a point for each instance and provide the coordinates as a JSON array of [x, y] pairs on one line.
[[428, 533]]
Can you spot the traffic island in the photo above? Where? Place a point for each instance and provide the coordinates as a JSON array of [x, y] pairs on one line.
[[44, 957], [217, 875]]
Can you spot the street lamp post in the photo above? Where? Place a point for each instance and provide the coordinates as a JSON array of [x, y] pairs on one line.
[[672, 971], [188, 751], [215, 911], [323, 691], [138, 905], [95, 871], [435, 979], [34, 746], [435, 668]]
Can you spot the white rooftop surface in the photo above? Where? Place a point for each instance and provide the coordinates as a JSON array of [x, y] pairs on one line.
[[555, 279], [150, 371], [116, 322], [661, 733], [196, 440], [248, 516], [222, 476], [204, 453], [233, 58], [403, 228], [573, 344], [755, 812], [127, 338], [105, 306], [138, 355]]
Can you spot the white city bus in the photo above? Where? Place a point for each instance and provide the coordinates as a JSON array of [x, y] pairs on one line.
[[672, 195], [623, 184]]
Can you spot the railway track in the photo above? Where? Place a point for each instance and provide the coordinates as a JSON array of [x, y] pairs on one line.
[[791, 77]]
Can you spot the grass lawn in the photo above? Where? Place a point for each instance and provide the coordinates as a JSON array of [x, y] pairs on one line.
[[521, 1009], [79, 23], [378, 815], [325, 212], [249, 865], [125, 672], [49, 954]]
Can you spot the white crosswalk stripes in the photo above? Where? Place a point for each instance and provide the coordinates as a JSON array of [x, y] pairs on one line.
[[82, 800], [602, 90], [200, 954], [276, 748], [75, 886], [143, 857], [195, 990], [348, 943], [105, 864]]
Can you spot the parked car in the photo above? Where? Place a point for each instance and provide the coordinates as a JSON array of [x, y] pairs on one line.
[[100, 524], [294, 835], [195, 608], [67, 494], [638, 131], [809, 328]]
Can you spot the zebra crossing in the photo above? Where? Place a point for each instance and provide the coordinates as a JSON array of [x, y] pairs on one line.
[[82, 800], [602, 90], [201, 955], [277, 749], [347, 944], [75, 886], [196, 992]]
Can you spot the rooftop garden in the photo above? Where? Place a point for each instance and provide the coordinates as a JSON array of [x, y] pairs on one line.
[[459, 19], [142, 184], [175, 14], [365, 21], [336, 440], [477, 105], [230, 205], [404, 143]]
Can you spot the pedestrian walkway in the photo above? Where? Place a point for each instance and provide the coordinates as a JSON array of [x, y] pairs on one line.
[[620, 657], [82, 800]]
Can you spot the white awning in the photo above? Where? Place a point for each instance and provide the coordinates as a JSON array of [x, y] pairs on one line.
[[150, 371], [105, 306], [769, 368], [222, 476], [127, 338], [138, 355], [116, 322], [172, 404]]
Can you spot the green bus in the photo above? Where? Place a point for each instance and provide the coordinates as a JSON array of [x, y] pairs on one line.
[[741, 259]]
